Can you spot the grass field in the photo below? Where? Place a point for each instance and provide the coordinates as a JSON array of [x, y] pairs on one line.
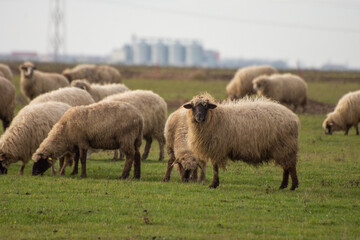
[[246, 205]]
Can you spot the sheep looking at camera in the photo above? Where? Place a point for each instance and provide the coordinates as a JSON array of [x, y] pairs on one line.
[[241, 84], [253, 131], [345, 115]]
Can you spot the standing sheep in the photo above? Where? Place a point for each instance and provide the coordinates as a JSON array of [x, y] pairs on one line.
[[176, 134], [154, 111], [7, 102], [28, 129], [345, 115], [286, 88], [6, 72], [241, 84], [34, 82], [105, 125], [93, 73], [253, 131], [72, 96], [97, 91]]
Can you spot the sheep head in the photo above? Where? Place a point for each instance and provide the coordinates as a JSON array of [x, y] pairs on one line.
[[260, 83], [200, 105], [333, 123], [27, 68], [42, 162], [186, 165], [5, 160], [82, 84], [67, 73]]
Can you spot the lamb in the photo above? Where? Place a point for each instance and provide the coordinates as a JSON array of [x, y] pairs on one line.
[[176, 131], [7, 102], [34, 82], [105, 125], [28, 129], [71, 96], [254, 131], [345, 115], [93, 73], [97, 91], [241, 84], [287, 89], [5, 71], [154, 111]]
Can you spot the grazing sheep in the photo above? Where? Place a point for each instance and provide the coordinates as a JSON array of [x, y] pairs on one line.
[[287, 89], [72, 96], [6, 72], [176, 131], [241, 84], [93, 73], [34, 82], [97, 91], [27, 130], [154, 110], [7, 101], [253, 131], [105, 125], [345, 115]]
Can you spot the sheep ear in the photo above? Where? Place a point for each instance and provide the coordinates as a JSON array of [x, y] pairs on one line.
[[212, 106], [188, 106]]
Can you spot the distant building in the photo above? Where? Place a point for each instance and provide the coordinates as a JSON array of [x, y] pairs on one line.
[[177, 54], [194, 55], [123, 55], [211, 58], [159, 54], [142, 53]]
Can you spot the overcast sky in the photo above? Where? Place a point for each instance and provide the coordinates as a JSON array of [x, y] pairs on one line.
[[312, 32]]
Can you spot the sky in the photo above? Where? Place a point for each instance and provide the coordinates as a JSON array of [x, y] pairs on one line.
[[308, 32]]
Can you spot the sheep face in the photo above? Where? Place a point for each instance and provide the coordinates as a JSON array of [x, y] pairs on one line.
[[5, 161], [200, 109], [41, 164], [331, 123], [186, 165], [27, 69], [82, 84], [259, 85]]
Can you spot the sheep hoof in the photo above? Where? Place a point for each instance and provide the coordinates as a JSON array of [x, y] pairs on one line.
[[214, 185], [282, 187], [166, 179], [83, 176], [74, 173]]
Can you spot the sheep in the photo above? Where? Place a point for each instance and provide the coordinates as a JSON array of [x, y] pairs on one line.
[[241, 84], [254, 131], [105, 125], [7, 102], [27, 130], [345, 115], [287, 89], [93, 73], [154, 110], [97, 91], [176, 131], [5, 71], [34, 82], [71, 96]]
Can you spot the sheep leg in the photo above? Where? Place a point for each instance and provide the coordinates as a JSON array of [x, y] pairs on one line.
[[215, 182], [148, 140], [161, 141], [21, 171], [121, 155], [169, 166], [76, 163], [83, 162], [53, 170], [116, 156], [137, 164], [203, 171], [127, 166], [294, 179], [347, 129], [285, 180]]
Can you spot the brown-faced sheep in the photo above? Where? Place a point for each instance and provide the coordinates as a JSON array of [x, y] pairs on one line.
[[71, 96], [345, 115], [105, 125], [7, 102], [287, 89], [27, 130], [97, 91], [253, 131], [93, 73], [241, 84], [154, 111], [34, 82], [176, 131], [6, 72]]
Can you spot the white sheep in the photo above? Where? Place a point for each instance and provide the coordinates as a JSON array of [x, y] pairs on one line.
[[7, 101], [287, 89], [93, 73], [5, 71], [34, 82], [97, 91], [253, 131], [345, 115], [27, 130], [104, 125], [176, 131], [241, 84]]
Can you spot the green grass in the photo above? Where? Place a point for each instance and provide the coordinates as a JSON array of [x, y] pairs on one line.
[[246, 205]]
